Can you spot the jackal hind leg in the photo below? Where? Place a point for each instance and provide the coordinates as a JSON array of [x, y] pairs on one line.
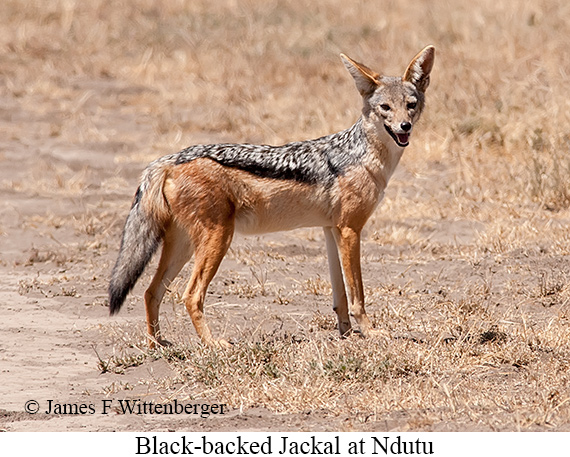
[[340, 301], [209, 252], [176, 252]]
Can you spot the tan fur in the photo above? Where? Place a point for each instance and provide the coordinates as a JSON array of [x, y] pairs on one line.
[[153, 201], [209, 201]]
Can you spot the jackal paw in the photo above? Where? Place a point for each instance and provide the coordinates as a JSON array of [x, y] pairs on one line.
[[160, 342], [345, 330], [376, 333], [218, 344]]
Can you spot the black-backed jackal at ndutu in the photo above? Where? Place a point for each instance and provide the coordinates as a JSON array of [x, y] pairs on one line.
[[194, 200]]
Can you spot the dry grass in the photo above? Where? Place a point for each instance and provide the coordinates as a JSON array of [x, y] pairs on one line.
[[497, 107], [467, 259], [465, 374]]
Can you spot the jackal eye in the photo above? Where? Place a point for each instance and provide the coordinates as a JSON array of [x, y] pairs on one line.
[[412, 105], [385, 107]]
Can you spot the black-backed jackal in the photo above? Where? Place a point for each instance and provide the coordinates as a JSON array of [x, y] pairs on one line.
[[194, 200]]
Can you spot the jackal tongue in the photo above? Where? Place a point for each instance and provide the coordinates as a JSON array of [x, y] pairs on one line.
[[403, 138]]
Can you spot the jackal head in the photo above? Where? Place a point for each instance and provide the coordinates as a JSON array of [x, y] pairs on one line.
[[393, 103]]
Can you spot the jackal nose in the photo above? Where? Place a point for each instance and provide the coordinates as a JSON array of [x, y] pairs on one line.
[[405, 126]]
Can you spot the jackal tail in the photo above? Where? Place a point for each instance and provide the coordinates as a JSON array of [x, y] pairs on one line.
[[142, 234]]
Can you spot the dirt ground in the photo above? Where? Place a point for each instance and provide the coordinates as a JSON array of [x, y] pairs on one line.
[[58, 246], [465, 268]]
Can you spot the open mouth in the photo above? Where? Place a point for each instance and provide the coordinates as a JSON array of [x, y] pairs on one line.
[[401, 139]]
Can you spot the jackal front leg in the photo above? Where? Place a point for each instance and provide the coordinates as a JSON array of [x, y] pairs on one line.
[[348, 241], [340, 302]]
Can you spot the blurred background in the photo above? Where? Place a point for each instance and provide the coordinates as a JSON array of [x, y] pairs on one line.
[[269, 71]]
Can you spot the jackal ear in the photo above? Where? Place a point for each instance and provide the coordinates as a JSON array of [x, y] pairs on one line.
[[366, 79], [420, 67]]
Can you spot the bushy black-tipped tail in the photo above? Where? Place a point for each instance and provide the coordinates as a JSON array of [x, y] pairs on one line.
[[142, 234]]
